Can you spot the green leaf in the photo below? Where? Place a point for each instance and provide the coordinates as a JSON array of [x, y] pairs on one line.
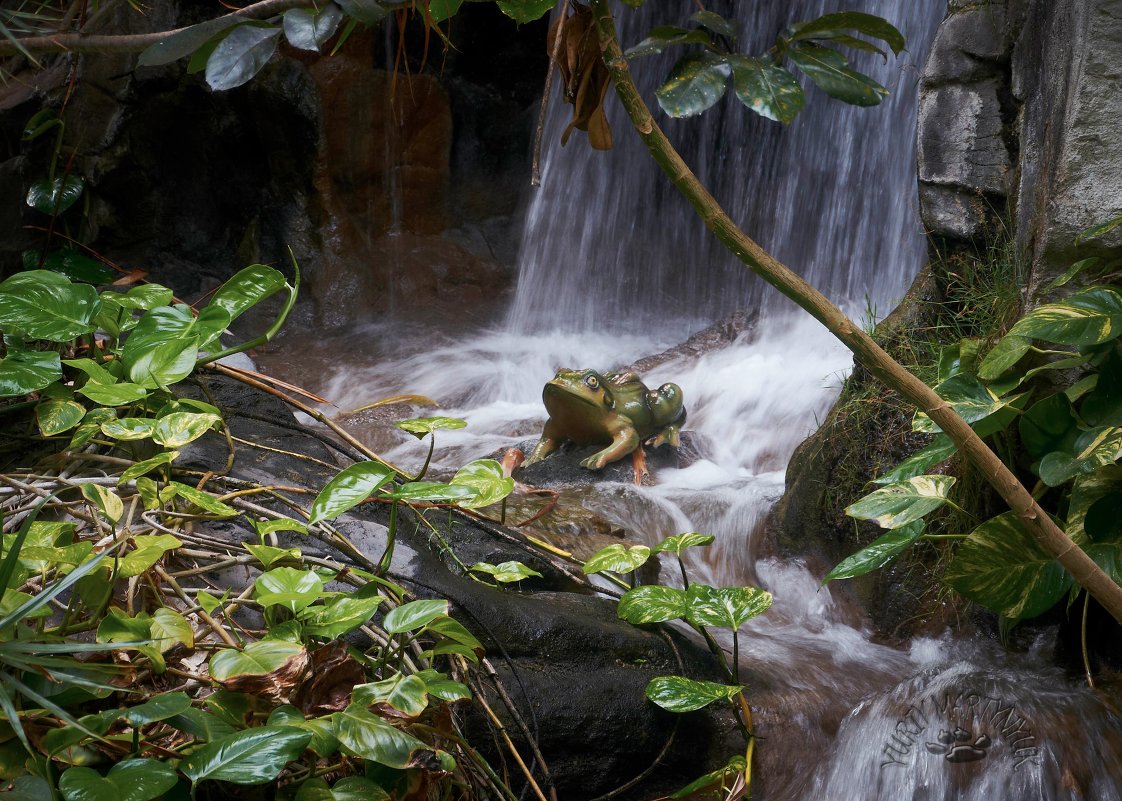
[[940, 449], [1103, 520], [241, 55], [679, 542], [666, 36], [72, 263], [55, 197], [878, 553], [288, 587], [725, 607], [201, 725], [525, 10], [1090, 317], [255, 283], [148, 549], [1049, 425], [485, 476], [128, 428], [340, 615], [970, 398], [1006, 353], [1101, 229], [26, 371], [1093, 449], [368, 736], [254, 756], [351, 487], [407, 694], [716, 23], [352, 788], [440, 10], [618, 558], [158, 707], [107, 501], [419, 426], [56, 416], [308, 30], [178, 428], [148, 465], [767, 89], [696, 83], [1103, 406], [899, 504], [652, 604], [130, 780], [679, 694], [431, 492], [1086, 491], [867, 24], [442, 687], [114, 394], [170, 628], [257, 659], [505, 572], [185, 41], [718, 779], [203, 500], [95, 373], [164, 364], [45, 305], [455, 631], [368, 12], [827, 68], [263, 528], [267, 554], [413, 615], [1000, 566]]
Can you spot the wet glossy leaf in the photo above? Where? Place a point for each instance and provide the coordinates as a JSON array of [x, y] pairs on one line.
[[431, 492], [44, 305], [128, 428], [263, 528], [158, 707], [169, 628], [257, 659], [114, 394], [505, 572], [184, 42], [96, 373], [940, 449], [267, 554], [1048, 425], [55, 197], [618, 558], [767, 89], [352, 788], [717, 779], [867, 24], [144, 297], [666, 36], [254, 756], [338, 616], [72, 263], [147, 550], [308, 30], [288, 587], [695, 84], [408, 695], [679, 542], [413, 615], [201, 725], [485, 476], [106, 501], [1101, 229], [368, 12], [241, 55], [130, 780], [164, 364], [426, 425], [178, 428], [827, 68], [726, 607], [878, 553], [1103, 406], [440, 10], [254, 283], [147, 466], [1001, 567], [26, 371], [366, 735], [203, 500], [1005, 354], [442, 687], [56, 416], [652, 604], [525, 10], [899, 504], [970, 398], [716, 23], [679, 694], [1093, 449], [1090, 317], [351, 487], [455, 631]]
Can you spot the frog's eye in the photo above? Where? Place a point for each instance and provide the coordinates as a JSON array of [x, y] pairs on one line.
[[592, 382]]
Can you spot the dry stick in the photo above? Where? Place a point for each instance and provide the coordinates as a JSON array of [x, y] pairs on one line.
[[531, 741], [1046, 533], [215, 627], [131, 43], [510, 746]]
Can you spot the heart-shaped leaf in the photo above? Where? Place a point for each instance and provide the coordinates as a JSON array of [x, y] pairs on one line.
[[340, 615], [203, 500], [257, 659], [158, 707], [26, 371], [652, 604], [505, 572], [679, 694], [253, 284], [352, 788], [679, 542], [878, 553], [56, 416], [178, 428], [368, 12], [72, 263], [1093, 449], [351, 487], [867, 24], [1090, 317], [618, 558], [440, 10], [148, 465], [485, 476], [130, 780], [525, 10], [408, 695], [288, 587], [120, 394], [413, 615], [308, 30], [899, 504], [45, 305], [726, 607], [55, 197], [431, 492], [368, 736]]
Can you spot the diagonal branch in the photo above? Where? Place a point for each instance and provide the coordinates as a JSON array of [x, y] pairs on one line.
[[1047, 534]]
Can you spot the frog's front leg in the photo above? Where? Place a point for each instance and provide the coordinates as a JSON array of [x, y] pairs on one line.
[[551, 440], [668, 435], [624, 442]]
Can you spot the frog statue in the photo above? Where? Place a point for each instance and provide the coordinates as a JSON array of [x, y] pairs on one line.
[[614, 409]]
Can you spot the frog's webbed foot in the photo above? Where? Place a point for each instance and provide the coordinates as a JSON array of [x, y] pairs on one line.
[[624, 443], [546, 445], [670, 435]]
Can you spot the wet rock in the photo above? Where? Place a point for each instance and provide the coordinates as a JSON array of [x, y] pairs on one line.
[[970, 45], [562, 468], [960, 139]]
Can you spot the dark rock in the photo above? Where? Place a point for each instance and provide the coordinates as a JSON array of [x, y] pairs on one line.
[[955, 213], [960, 138], [970, 45]]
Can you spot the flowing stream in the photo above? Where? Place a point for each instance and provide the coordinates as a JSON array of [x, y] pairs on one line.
[[614, 266]]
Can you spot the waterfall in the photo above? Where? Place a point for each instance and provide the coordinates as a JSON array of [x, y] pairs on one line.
[[609, 243]]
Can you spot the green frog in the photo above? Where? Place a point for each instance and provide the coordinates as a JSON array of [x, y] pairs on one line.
[[614, 409]]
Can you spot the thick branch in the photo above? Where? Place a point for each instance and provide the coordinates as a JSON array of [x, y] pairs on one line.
[[131, 43], [1049, 536]]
